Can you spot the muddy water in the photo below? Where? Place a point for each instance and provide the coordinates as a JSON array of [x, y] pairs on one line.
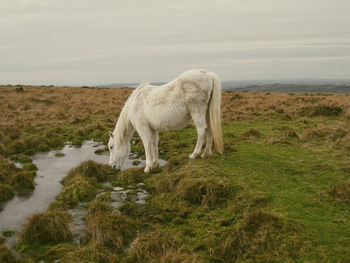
[[51, 169]]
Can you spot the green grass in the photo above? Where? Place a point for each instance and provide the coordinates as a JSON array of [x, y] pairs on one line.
[[289, 178]]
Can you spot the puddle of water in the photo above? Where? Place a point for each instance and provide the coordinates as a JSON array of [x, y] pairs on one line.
[[118, 196], [51, 169], [78, 227]]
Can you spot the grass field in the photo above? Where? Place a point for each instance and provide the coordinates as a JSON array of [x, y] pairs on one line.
[[279, 193]]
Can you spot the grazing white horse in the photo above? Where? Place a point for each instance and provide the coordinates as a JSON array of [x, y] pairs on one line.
[[194, 94]]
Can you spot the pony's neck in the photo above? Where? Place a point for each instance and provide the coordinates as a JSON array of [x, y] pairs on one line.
[[123, 129]]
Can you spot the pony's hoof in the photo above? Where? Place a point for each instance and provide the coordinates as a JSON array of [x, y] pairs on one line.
[[192, 156], [147, 169]]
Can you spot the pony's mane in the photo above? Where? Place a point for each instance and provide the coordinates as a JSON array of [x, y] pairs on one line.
[[123, 128]]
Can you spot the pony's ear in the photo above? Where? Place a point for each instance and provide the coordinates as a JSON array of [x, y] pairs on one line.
[[110, 134]]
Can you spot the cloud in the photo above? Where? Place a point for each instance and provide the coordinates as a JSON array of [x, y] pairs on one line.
[[86, 41]]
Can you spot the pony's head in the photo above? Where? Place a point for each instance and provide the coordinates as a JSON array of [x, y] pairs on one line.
[[118, 151]]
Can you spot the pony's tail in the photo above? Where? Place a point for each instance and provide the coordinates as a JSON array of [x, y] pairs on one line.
[[215, 113]]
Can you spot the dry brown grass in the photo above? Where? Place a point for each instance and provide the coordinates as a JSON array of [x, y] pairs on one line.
[[36, 106], [321, 132], [88, 254], [97, 208], [108, 228], [6, 255], [240, 105], [252, 133], [40, 105], [284, 136], [159, 247], [58, 251], [341, 192], [51, 226], [344, 142]]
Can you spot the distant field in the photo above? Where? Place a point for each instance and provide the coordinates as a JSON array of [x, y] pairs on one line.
[[279, 193]]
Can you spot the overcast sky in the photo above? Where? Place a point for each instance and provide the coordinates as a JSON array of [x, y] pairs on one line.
[[87, 42]]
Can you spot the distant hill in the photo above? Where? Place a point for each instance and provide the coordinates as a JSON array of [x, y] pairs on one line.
[[284, 86], [289, 86], [294, 88]]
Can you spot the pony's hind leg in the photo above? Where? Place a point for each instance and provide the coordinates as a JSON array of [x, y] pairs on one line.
[[209, 143], [155, 161], [201, 126]]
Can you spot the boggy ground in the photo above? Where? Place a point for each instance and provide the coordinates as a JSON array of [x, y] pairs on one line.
[[280, 192]]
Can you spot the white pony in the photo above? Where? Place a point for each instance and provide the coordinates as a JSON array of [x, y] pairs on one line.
[[194, 94]]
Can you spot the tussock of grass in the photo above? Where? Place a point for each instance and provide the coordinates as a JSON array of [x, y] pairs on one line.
[[159, 246], [33, 143], [129, 176], [347, 113], [175, 162], [23, 180], [286, 133], [79, 190], [89, 169], [321, 110], [341, 192], [205, 191], [97, 208], [8, 233], [24, 159], [88, 254], [100, 151], [4, 141], [344, 142], [331, 133], [111, 230], [58, 205], [17, 146], [7, 170], [58, 251], [165, 183], [136, 162], [30, 167], [195, 184], [253, 133], [50, 227], [6, 192], [13, 178], [6, 255], [260, 237], [104, 197]]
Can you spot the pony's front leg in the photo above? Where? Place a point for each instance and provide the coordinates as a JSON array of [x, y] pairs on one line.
[[147, 140], [148, 152]]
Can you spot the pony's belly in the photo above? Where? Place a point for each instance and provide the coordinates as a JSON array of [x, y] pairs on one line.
[[169, 119]]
